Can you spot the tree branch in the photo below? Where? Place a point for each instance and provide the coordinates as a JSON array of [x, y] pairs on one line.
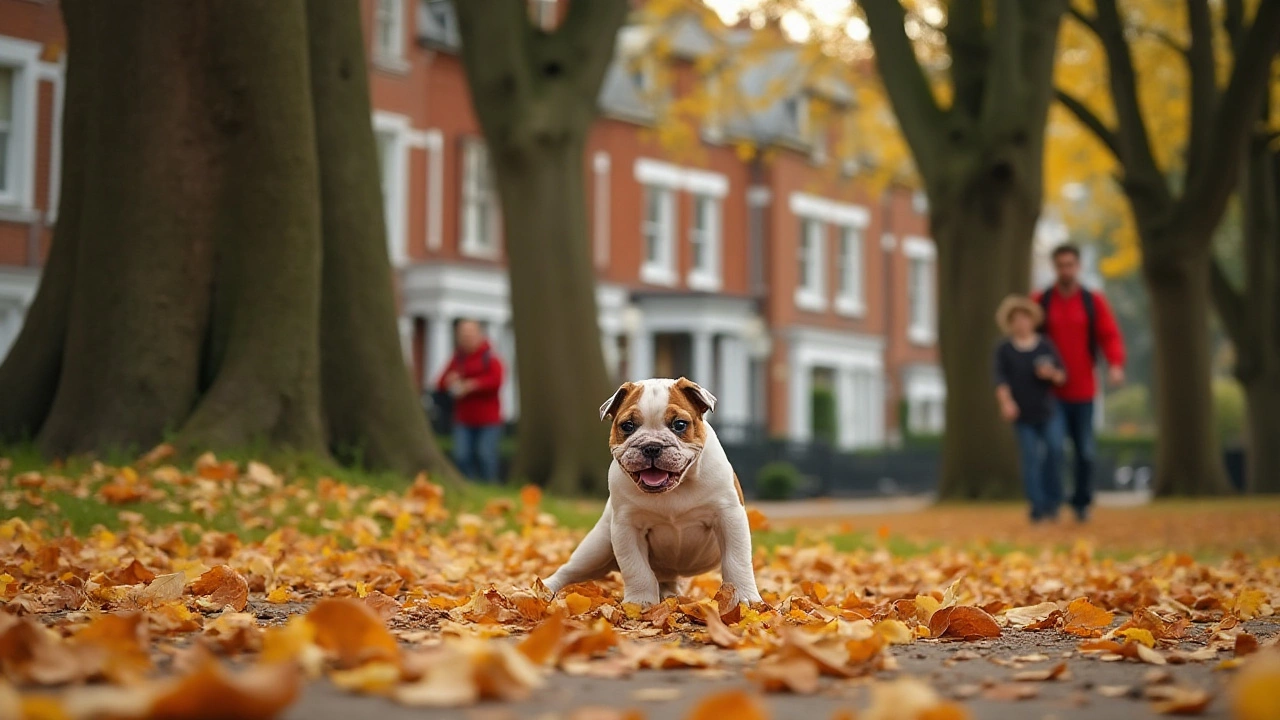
[[1085, 19], [1164, 37], [1229, 302], [1004, 71], [1208, 191], [495, 53], [592, 26], [905, 82], [1204, 89], [967, 41], [1134, 141], [1090, 120]]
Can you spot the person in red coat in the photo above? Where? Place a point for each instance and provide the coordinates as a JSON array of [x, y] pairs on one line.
[[1081, 325], [473, 378]]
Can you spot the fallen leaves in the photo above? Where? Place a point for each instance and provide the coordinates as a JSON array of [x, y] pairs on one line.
[[966, 623], [391, 594], [1085, 619]]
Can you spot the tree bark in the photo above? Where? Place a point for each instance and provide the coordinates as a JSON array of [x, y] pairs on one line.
[[183, 295], [1262, 451], [1188, 457], [535, 93], [561, 438], [981, 160], [373, 417], [983, 257]]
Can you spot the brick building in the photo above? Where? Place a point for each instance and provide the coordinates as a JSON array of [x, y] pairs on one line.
[[767, 281]]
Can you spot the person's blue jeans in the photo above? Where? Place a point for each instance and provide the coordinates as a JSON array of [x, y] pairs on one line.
[[475, 450], [1040, 450], [1077, 419]]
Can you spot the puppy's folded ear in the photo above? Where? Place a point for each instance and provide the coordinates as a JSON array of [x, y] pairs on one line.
[[701, 398], [611, 405]]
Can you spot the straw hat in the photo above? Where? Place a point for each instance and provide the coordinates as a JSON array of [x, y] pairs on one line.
[[1016, 303]]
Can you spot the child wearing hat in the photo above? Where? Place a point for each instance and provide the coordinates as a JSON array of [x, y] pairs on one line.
[[1027, 368]]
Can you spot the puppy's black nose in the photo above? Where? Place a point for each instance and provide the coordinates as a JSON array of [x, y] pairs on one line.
[[651, 451]]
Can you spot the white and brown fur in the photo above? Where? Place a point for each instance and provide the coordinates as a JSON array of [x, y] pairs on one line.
[[694, 523]]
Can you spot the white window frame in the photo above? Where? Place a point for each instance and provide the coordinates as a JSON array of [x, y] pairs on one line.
[[22, 57], [393, 172], [389, 52], [922, 310], [811, 265], [706, 277], [478, 199], [543, 14], [672, 179], [660, 270], [851, 254], [713, 122]]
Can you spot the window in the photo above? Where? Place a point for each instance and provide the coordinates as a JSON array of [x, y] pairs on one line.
[[809, 288], [438, 24], [659, 236], [388, 29], [712, 122], [543, 14], [704, 236], [797, 111], [849, 294], [8, 83], [921, 283], [480, 207], [391, 169]]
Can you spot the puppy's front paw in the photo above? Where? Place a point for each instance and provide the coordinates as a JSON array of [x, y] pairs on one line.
[[750, 598], [644, 600]]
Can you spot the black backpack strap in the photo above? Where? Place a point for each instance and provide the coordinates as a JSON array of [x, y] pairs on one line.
[[1044, 307], [1091, 314]]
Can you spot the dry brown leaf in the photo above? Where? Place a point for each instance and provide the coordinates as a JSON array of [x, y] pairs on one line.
[[164, 589], [1174, 700], [261, 692], [1057, 672], [1245, 644], [1011, 691], [123, 640], [963, 621], [31, 653], [1115, 691], [786, 672], [909, 699], [735, 704], [352, 632], [135, 573], [1021, 617], [1085, 619], [542, 645], [221, 587], [383, 605]]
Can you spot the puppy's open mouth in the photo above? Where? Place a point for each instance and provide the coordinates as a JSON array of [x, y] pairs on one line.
[[656, 480]]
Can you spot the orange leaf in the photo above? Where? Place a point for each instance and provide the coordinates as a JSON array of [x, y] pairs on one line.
[[786, 673], [1246, 644], [530, 496], [1085, 619], [135, 573], [541, 644], [735, 704], [1253, 692], [756, 520], [963, 621], [124, 639], [578, 604], [224, 587], [352, 631], [211, 693]]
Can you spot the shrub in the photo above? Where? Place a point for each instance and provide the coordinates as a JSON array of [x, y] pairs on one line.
[[1129, 410], [824, 415], [1228, 410], [777, 481]]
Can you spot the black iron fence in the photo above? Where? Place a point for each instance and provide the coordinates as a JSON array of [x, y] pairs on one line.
[[825, 471]]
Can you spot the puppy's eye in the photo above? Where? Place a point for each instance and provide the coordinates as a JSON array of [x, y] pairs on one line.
[[627, 426], [679, 425]]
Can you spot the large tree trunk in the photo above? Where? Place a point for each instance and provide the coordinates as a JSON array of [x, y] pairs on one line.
[[984, 254], [556, 322], [1262, 451], [183, 292], [373, 415], [1188, 455], [534, 93]]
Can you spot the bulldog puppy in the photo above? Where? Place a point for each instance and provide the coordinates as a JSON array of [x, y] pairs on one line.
[[675, 508]]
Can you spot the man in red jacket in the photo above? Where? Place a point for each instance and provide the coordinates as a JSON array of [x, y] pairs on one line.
[[473, 378], [1081, 325]]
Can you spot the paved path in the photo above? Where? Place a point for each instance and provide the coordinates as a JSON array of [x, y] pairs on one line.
[[836, 508], [938, 664]]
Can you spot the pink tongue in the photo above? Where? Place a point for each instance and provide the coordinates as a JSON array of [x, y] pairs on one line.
[[653, 477]]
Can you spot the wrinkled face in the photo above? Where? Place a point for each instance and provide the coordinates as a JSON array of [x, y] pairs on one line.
[[1067, 267], [657, 431]]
